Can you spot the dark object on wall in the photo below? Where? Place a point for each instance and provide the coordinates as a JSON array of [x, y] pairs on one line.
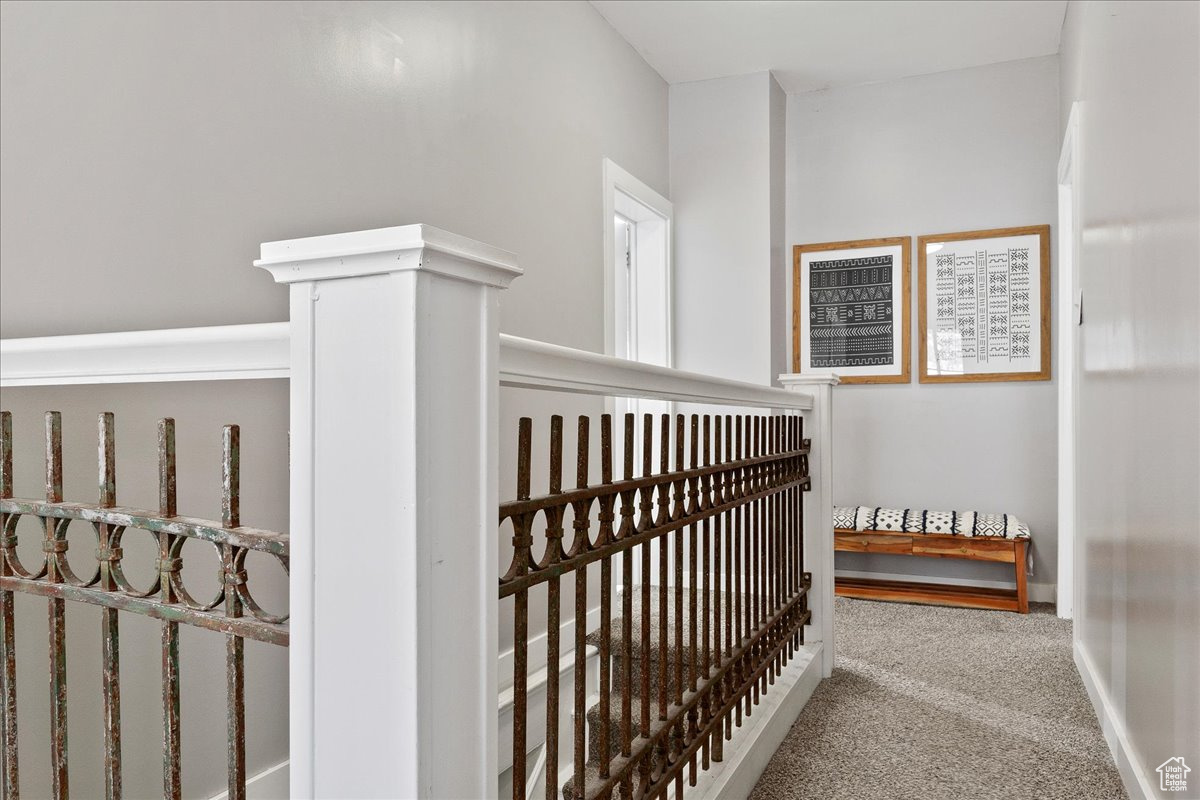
[[850, 305]]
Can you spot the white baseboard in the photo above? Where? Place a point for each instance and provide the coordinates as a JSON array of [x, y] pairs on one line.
[[270, 784], [1038, 592], [1137, 784], [747, 753]]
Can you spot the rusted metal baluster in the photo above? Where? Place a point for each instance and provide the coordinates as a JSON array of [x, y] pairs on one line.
[[756, 560], [234, 576], [9, 780], [782, 527], [626, 530], [170, 630], [788, 476], [705, 588], [554, 553], [108, 553], [693, 717], [772, 513], [646, 521], [793, 517], [664, 516], [781, 543], [54, 544], [730, 492], [603, 539], [739, 514], [579, 546], [718, 696], [751, 482], [680, 513], [522, 540]]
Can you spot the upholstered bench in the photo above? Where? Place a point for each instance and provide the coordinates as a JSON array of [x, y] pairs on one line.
[[933, 534]]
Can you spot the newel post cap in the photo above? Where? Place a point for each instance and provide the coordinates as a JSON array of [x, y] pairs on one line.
[[795, 379], [382, 250]]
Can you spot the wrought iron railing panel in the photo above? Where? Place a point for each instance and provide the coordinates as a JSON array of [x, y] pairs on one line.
[[712, 628], [234, 611]]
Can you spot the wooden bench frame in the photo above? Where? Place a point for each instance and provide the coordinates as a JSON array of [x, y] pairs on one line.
[[935, 545]]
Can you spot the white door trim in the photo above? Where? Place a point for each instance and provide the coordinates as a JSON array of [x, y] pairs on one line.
[[1067, 314], [617, 179]]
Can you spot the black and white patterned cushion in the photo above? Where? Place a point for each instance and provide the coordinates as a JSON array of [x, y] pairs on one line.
[[843, 517], [864, 516], [990, 525], [939, 522], [888, 519], [911, 520]]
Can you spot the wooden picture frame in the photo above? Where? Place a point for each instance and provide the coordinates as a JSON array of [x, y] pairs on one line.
[[1016, 317], [897, 251]]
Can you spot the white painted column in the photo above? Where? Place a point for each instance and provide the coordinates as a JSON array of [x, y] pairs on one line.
[[818, 509], [394, 382]]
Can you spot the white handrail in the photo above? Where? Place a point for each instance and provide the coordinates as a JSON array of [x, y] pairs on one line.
[[529, 364], [214, 353], [239, 352]]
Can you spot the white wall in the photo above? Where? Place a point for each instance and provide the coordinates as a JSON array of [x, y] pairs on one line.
[[1135, 69], [725, 171], [149, 148], [955, 151]]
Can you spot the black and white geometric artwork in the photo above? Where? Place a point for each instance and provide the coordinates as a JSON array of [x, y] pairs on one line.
[[850, 312], [985, 312], [983, 305], [850, 303]]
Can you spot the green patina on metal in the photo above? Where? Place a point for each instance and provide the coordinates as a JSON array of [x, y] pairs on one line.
[[234, 612]]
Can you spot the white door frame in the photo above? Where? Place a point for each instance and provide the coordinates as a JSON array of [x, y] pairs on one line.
[[1068, 318], [617, 180]]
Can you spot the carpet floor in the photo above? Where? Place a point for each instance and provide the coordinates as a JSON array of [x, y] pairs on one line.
[[931, 703]]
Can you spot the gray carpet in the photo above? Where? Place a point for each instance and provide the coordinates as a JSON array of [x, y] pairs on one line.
[[952, 703]]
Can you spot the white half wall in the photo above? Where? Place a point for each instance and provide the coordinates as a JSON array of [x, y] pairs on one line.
[[955, 151]]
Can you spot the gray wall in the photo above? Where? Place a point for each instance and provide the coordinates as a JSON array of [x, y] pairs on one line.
[[725, 171], [954, 151], [1136, 71], [150, 148]]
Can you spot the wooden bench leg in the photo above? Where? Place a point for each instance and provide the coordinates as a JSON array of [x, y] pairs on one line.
[[1022, 596]]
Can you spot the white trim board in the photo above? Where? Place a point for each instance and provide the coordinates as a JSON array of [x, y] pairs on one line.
[[1038, 592], [1067, 316], [270, 784], [746, 755], [1124, 755]]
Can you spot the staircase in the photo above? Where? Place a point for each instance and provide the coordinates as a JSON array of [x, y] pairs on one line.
[[662, 679]]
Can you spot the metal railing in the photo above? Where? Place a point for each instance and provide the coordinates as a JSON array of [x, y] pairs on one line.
[[234, 611], [727, 523], [395, 362]]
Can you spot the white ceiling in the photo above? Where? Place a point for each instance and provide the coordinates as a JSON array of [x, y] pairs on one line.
[[813, 44]]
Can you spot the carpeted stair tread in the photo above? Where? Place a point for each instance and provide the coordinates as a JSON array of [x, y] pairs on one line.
[[657, 631]]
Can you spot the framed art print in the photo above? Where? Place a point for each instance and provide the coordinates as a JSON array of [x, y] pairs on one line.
[[984, 305], [850, 305]]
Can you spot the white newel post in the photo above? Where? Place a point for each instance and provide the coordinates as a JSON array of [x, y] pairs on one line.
[[818, 509], [394, 382]]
